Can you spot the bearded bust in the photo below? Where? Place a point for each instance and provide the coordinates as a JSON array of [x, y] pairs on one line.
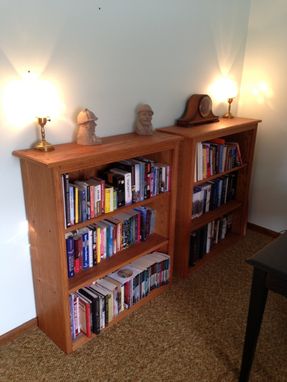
[[143, 123]]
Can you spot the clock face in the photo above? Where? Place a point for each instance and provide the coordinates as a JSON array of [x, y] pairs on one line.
[[205, 106]]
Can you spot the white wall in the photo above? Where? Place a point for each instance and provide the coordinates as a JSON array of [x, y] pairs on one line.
[[263, 90], [107, 56]]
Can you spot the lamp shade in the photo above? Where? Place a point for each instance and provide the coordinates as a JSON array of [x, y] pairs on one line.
[[223, 89]]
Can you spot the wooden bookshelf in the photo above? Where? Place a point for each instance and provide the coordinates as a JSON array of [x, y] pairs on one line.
[[241, 130], [44, 202]]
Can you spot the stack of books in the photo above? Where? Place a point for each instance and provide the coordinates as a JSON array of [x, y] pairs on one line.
[[120, 184], [93, 307]]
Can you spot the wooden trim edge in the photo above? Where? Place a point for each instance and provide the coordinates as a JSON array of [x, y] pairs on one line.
[[265, 231], [14, 333]]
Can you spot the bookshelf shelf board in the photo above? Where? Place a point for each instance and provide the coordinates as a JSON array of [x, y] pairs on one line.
[[215, 214], [238, 168], [69, 157], [120, 259]]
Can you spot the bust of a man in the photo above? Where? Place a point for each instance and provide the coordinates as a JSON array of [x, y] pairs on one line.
[[87, 128], [143, 123]]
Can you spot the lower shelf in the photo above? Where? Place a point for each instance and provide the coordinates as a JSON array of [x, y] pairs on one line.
[[230, 240], [82, 339]]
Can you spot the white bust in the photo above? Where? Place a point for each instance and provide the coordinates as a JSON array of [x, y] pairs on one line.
[[87, 128]]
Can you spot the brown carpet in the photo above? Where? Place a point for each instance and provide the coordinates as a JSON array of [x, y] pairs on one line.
[[193, 332]]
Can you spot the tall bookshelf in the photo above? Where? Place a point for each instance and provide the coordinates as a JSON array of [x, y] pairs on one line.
[[44, 201], [240, 130]]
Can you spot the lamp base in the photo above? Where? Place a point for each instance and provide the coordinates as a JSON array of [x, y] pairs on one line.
[[228, 115], [44, 146]]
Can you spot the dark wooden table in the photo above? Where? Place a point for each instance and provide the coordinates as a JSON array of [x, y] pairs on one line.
[[269, 273]]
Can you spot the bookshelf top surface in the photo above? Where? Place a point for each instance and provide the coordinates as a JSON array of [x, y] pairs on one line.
[[225, 126], [128, 145]]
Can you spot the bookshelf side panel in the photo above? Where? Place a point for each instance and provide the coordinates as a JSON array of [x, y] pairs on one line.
[[46, 234]]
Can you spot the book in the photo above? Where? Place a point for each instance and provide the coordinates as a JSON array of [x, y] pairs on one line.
[[93, 244], [120, 293], [83, 200], [72, 204], [117, 232], [143, 277], [111, 238], [85, 314], [136, 282], [125, 277], [101, 194], [139, 179], [70, 251], [111, 289], [78, 245], [102, 239], [197, 202], [76, 203], [96, 323], [76, 313], [72, 318], [118, 182], [147, 175], [96, 185], [84, 234], [108, 302], [199, 162], [66, 197], [128, 183], [129, 166], [164, 260], [109, 198]]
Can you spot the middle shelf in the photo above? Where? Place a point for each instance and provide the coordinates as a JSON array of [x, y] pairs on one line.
[[152, 243]]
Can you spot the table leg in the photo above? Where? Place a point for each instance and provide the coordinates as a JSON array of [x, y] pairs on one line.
[[257, 302]]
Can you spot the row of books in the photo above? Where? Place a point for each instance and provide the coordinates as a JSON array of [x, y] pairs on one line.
[[93, 307], [212, 194], [122, 183], [203, 239], [88, 246], [215, 157]]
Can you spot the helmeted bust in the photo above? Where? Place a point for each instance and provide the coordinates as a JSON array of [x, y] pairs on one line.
[[87, 128]]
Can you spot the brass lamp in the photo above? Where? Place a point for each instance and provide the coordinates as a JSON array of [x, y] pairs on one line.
[[230, 92], [43, 145], [229, 114]]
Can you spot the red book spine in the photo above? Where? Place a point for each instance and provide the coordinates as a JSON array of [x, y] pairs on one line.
[[78, 254]]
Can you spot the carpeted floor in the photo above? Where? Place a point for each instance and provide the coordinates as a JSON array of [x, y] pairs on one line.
[[193, 332]]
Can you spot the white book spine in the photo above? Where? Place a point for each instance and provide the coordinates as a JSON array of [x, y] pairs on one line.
[[128, 188]]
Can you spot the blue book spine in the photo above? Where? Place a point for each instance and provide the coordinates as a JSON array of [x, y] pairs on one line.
[[85, 251], [70, 250], [110, 239]]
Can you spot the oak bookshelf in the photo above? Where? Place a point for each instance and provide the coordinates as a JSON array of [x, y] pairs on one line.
[[240, 130], [44, 202]]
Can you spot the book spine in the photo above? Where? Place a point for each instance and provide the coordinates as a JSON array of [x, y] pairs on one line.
[[70, 255], [66, 191], [78, 253], [72, 204]]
